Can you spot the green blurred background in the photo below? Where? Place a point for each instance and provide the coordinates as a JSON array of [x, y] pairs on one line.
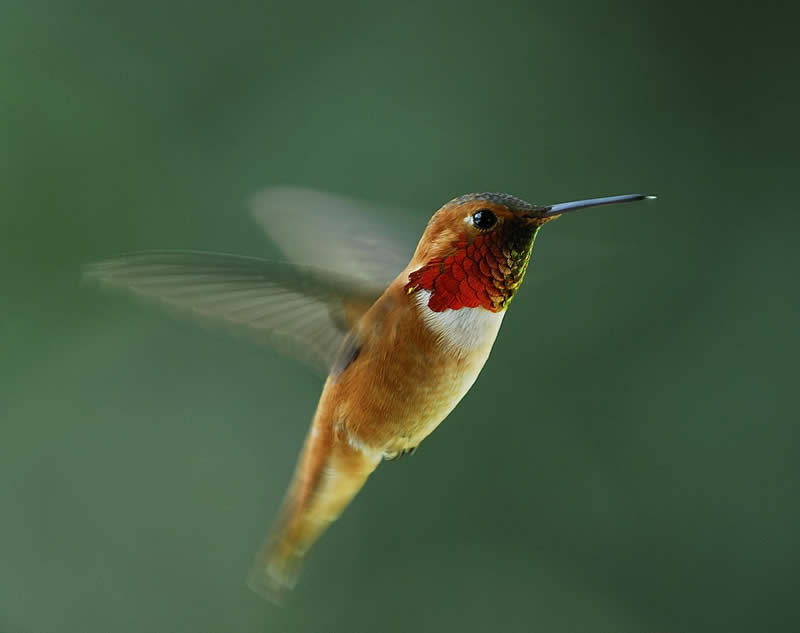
[[627, 460]]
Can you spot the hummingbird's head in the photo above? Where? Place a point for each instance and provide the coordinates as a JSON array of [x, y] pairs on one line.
[[476, 248]]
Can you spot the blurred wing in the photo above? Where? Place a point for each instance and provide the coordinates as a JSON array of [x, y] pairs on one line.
[[311, 310], [335, 233]]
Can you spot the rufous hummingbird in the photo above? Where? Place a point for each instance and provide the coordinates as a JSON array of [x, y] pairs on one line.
[[400, 348]]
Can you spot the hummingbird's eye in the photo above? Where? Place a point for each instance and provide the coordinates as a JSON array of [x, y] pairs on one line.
[[483, 219]]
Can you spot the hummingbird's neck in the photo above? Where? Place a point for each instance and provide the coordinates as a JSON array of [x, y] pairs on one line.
[[485, 272]]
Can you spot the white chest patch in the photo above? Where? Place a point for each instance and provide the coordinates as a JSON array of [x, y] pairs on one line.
[[461, 330]]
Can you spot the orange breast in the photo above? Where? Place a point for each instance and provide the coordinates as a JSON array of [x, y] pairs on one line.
[[404, 380]]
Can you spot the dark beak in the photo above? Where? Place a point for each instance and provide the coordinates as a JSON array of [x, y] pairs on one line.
[[565, 207]]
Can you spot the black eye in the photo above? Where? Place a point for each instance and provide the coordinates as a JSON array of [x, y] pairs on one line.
[[483, 219]]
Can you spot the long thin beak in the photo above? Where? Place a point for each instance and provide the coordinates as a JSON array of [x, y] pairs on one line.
[[566, 207]]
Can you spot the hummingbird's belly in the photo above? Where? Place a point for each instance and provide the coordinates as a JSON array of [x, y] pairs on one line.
[[434, 401], [394, 399]]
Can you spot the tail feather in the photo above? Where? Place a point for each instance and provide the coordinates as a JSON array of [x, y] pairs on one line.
[[274, 571], [329, 474]]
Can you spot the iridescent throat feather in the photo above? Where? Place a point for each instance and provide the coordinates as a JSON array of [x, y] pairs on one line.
[[485, 272]]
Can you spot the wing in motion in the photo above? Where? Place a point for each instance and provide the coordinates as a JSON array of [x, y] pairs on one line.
[[341, 258], [331, 232], [309, 309]]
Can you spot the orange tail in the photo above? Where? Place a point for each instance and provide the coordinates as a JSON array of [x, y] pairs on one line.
[[329, 473]]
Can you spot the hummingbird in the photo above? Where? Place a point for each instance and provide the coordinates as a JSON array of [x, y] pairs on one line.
[[401, 340]]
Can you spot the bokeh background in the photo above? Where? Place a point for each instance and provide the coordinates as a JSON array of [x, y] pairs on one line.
[[626, 462]]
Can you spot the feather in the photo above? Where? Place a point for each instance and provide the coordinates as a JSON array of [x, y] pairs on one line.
[[336, 233], [308, 309]]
